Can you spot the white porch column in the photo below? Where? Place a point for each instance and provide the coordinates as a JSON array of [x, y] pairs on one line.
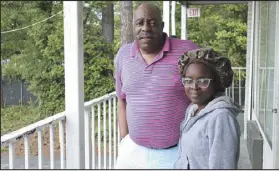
[[183, 21], [173, 3], [166, 16], [74, 84], [249, 64]]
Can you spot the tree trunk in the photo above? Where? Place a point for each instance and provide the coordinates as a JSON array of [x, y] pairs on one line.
[[108, 22], [126, 19]]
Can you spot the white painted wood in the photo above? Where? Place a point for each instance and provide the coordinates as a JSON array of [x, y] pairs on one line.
[[233, 88], [275, 146], [256, 66], [93, 136], [110, 127], [173, 28], [99, 136], [267, 156], [87, 139], [99, 99], [51, 145], [114, 130], [74, 84], [30, 128], [62, 142], [183, 21], [249, 84], [166, 16], [105, 134], [40, 148], [118, 140], [11, 155], [215, 2], [239, 86], [26, 151]]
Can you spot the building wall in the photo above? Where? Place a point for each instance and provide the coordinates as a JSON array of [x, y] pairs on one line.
[[263, 58]]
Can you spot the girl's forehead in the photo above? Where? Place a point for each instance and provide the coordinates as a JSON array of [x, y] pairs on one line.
[[198, 70]]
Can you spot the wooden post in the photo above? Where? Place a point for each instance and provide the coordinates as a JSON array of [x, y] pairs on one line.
[[183, 21], [74, 84], [166, 16], [173, 29]]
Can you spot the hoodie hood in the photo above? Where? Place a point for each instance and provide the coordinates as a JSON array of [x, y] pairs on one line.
[[221, 101]]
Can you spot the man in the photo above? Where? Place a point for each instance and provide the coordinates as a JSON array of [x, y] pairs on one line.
[[151, 100]]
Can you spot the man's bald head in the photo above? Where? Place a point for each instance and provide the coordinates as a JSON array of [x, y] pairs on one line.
[[149, 6]]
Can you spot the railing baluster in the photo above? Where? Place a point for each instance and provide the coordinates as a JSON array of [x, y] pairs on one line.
[[93, 136], [239, 87], [51, 146], [11, 155], [229, 89], [99, 135], [118, 140], [26, 151], [233, 88], [110, 133], [87, 138], [61, 141], [105, 135], [114, 130], [227, 92], [40, 148]]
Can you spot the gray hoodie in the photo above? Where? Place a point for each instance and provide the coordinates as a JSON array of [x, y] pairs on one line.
[[211, 139]]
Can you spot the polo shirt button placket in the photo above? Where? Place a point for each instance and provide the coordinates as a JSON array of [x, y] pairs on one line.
[[148, 69]]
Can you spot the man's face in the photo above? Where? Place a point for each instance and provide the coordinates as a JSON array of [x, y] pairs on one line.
[[148, 28]]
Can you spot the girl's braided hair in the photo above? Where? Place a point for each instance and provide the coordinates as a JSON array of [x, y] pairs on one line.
[[220, 65]]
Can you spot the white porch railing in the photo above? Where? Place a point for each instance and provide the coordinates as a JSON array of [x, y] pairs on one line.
[[101, 130], [101, 136], [11, 138], [237, 90]]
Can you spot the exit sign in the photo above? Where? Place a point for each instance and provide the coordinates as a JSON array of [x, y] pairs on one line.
[[193, 12]]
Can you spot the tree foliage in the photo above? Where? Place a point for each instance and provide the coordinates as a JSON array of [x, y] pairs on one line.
[[37, 53], [40, 61]]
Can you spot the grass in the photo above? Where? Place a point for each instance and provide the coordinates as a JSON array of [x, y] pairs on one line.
[[16, 117]]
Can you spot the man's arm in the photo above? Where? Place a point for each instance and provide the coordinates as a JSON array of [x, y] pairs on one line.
[[121, 104], [121, 113]]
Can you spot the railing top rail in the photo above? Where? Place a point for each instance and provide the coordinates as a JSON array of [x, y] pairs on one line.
[[31, 128], [97, 100], [266, 68], [238, 68]]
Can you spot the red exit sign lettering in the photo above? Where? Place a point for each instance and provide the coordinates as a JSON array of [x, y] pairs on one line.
[[193, 12]]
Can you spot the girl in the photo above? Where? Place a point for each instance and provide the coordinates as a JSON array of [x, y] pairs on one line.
[[210, 133]]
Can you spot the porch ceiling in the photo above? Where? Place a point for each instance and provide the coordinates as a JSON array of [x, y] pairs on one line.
[[212, 2]]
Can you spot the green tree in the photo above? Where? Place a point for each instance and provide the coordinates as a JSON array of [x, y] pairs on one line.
[[40, 62]]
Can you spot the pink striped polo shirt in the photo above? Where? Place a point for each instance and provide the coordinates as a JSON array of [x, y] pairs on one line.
[[155, 97]]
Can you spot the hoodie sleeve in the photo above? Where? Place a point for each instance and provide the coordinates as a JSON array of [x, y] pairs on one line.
[[223, 135]]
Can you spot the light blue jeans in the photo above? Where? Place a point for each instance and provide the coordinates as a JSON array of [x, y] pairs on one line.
[[134, 156]]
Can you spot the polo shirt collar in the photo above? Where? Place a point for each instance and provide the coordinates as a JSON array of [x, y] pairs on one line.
[[166, 48]]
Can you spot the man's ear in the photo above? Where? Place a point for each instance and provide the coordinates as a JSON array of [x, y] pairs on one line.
[[163, 25]]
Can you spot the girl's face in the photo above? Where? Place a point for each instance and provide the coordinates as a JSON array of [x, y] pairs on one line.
[[199, 84]]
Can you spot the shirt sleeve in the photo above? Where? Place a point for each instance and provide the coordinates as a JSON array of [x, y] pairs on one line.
[[118, 73], [192, 46], [224, 141]]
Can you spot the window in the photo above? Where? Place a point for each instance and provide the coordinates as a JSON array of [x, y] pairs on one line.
[[266, 60]]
